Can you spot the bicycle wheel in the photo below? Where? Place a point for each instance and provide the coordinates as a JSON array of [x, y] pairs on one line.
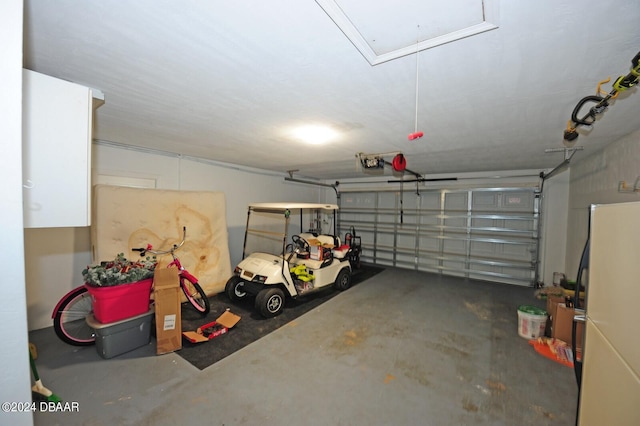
[[69, 320], [195, 295]]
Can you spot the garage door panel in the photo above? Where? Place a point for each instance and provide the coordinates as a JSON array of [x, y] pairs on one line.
[[368, 241], [360, 200], [405, 260], [520, 225], [427, 243], [409, 220], [386, 240], [410, 202], [456, 222], [387, 199], [432, 220], [480, 222], [455, 201], [499, 273], [406, 241], [455, 268], [484, 200], [483, 233], [517, 200], [518, 251], [429, 200], [521, 252], [455, 246], [480, 248], [428, 264]]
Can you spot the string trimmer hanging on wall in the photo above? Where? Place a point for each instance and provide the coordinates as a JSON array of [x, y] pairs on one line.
[[600, 103]]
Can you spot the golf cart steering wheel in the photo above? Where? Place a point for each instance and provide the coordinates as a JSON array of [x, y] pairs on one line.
[[300, 243]]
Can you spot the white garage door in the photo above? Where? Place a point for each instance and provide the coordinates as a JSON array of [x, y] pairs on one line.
[[487, 233]]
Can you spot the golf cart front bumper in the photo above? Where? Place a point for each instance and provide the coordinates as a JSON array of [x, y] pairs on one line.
[[251, 287]]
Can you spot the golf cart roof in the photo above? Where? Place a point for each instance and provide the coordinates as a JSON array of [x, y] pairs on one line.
[[292, 206]]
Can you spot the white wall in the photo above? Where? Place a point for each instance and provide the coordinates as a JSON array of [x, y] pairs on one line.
[[55, 257], [594, 180], [553, 243], [15, 378], [240, 185]]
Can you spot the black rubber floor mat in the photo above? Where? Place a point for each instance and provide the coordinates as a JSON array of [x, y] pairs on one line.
[[252, 325]]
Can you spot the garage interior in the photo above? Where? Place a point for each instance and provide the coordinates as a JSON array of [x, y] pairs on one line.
[[454, 144], [403, 347]]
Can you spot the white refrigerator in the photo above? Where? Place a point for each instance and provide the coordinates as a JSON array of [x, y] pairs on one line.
[[610, 393]]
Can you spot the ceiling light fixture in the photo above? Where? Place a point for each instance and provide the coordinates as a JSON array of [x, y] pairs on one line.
[[314, 134], [416, 134]]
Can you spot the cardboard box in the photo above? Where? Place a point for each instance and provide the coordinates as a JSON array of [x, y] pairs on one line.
[[317, 242], [167, 293], [213, 329], [319, 250], [563, 323], [116, 338], [315, 252], [552, 303]]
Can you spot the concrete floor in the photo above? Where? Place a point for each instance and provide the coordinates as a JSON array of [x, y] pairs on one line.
[[402, 348]]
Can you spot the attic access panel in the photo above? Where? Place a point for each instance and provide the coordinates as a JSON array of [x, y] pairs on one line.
[[387, 30]]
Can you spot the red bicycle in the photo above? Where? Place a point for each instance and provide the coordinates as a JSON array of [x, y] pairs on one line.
[[71, 311]]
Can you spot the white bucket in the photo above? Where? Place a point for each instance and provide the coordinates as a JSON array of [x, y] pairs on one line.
[[531, 321]]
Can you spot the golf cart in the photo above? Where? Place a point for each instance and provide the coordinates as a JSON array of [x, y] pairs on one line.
[[274, 266]]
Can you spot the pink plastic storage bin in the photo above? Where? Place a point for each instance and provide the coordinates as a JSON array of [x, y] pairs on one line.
[[115, 303]]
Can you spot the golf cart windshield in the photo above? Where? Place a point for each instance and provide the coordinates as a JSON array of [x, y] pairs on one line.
[[271, 225]]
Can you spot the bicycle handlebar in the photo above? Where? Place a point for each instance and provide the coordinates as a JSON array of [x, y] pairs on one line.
[[150, 249]]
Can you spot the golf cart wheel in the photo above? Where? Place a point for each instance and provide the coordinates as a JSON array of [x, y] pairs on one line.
[[343, 281], [270, 302], [234, 288]]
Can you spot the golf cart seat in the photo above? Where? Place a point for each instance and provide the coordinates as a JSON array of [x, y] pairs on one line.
[[322, 239], [330, 242], [338, 250], [321, 247]]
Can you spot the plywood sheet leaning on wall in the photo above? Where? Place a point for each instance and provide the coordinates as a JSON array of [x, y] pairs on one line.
[[124, 218]]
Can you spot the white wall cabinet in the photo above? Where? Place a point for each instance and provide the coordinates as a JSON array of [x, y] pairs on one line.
[[56, 151]]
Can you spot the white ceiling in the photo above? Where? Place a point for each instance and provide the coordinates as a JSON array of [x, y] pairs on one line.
[[228, 80]]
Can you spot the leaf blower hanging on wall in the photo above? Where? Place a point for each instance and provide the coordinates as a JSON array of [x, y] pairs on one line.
[[600, 100]]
